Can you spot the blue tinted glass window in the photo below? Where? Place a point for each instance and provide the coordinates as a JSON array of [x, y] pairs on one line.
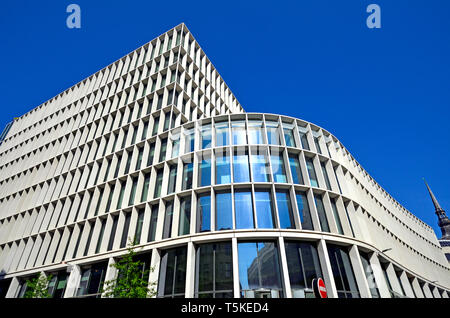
[[285, 210], [205, 173], [321, 213], [206, 136], [255, 132], [204, 213], [264, 210], [260, 168], [239, 134], [241, 168], [296, 171], [223, 171], [243, 205], [273, 133], [303, 211], [222, 134], [311, 172], [278, 170], [224, 212]]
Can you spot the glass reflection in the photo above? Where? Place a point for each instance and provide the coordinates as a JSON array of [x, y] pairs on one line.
[[259, 270], [224, 212], [264, 209]]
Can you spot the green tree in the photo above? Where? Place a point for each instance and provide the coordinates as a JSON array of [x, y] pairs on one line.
[[132, 279], [37, 287]]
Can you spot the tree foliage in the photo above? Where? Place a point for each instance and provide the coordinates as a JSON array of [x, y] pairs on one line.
[[132, 280], [37, 287]]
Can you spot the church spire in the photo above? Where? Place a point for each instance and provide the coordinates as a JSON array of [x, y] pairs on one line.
[[443, 220]]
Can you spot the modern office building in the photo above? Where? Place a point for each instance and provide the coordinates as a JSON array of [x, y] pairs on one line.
[[222, 203]]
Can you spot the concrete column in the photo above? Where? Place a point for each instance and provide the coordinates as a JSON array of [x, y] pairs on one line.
[[73, 281], [327, 272], [153, 277], [111, 272], [358, 269], [190, 271], [383, 288], [236, 287], [393, 280], [427, 291], [435, 292], [406, 285], [13, 289], [284, 268], [416, 287]]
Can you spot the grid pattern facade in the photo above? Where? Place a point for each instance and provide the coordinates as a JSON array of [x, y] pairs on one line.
[[155, 148]]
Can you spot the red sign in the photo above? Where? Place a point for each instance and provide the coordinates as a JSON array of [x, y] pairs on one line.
[[319, 288]]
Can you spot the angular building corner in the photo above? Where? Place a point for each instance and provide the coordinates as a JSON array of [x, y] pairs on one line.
[[222, 203]]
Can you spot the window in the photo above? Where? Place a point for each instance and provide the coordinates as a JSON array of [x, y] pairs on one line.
[[185, 216], [243, 205], [162, 151], [285, 210], [139, 224], [259, 270], [303, 211], [343, 272], [175, 145], [126, 227], [144, 194], [288, 130], [168, 218], [203, 213], [311, 172], [151, 154], [260, 167], [321, 213], [206, 137], [204, 171], [273, 133], [189, 140], [264, 210], [112, 233], [336, 216], [223, 171], [303, 266], [153, 222], [224, 211], [303, 137], [241, 169], [139, 159], [239, 134], [172, 179], [122, 192], [317, 144], [278, 170], [187, 175], [222, 133], [133, 191], [172, 274], [255, 132], [91, 281], [296, 171], [155, 126], [158, 185], [325, 175], [214, 271], [128, 164]]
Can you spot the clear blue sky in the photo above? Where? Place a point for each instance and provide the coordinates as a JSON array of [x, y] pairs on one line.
[[384, 93]]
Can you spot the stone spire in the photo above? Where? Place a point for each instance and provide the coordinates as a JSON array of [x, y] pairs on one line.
[[443, 221]]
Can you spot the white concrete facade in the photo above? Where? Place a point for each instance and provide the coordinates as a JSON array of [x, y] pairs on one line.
[[136, 148]]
